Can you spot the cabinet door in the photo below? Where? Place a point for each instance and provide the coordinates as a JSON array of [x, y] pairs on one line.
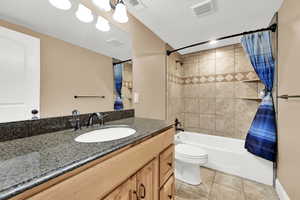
[[126, 191], [145, 182], [167, 191]]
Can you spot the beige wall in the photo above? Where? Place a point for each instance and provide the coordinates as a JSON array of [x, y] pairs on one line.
[[289, 111], [68, 70], [149, 66], [149, 71]]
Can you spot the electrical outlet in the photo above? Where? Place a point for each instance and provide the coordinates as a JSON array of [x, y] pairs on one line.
[[136, 97]]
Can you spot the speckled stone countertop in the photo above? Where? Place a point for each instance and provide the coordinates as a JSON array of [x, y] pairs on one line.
[[28, 162]]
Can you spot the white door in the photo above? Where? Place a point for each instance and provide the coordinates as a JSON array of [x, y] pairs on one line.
[[19, 75]]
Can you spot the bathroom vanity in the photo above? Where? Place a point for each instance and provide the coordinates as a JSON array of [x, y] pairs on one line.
[[137, 167]]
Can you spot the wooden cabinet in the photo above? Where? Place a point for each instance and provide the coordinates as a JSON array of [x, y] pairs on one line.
[[130, 174], [166, 160], [145, 182], [167, 192], [127, 191], [141, 186]]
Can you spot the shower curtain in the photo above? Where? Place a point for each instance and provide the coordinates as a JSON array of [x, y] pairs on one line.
[[261, 139], [118, 70]]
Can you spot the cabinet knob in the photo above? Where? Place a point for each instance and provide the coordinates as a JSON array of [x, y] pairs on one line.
[[170, 196], [142, 191], [170, 164]]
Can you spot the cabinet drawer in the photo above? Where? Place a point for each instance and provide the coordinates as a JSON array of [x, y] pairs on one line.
[[166, 160], [168, 190]]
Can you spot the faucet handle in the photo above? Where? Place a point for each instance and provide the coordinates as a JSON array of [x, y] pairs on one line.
[[75, 122], [101, 115], [75, 112]]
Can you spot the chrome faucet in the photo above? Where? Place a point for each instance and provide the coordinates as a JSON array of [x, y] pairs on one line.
[[98, 115]]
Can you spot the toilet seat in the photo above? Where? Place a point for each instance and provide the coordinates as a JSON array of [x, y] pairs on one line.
[[190, 154], [190, 151]]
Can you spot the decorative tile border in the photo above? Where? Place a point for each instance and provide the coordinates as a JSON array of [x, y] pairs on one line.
[[175, 79], [21, 129], [229, 77], [127, 84]]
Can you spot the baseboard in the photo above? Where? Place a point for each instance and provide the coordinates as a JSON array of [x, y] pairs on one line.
[[280, 191]]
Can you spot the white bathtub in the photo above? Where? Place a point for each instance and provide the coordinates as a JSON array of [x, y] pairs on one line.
[[229, 155]]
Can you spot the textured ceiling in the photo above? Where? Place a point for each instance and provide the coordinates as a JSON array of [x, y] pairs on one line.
[[40, 16], [175, 23]]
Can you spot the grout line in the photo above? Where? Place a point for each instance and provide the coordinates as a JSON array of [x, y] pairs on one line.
[[214, 180], [242, 192], [243, 189], [212, 184]]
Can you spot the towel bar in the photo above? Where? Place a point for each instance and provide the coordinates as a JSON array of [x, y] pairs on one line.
[[77, 96], [285, 96]]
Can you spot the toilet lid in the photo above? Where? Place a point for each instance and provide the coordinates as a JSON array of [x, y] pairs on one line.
[[190, 151]]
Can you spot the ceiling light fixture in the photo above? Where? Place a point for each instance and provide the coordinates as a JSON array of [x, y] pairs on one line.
[[103, 4], [120, 14], [102, 24], [61, 4], [84, 14], [213, 42]]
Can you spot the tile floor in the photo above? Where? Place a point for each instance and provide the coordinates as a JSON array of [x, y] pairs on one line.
[[220, 186]]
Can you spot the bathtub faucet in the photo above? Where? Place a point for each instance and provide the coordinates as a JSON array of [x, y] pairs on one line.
[[177, 124]]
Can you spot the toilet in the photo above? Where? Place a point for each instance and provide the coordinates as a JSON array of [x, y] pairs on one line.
[[188, 159]]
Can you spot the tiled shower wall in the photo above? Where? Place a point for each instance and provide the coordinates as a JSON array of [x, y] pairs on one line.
[[214, 94], [175, 108]]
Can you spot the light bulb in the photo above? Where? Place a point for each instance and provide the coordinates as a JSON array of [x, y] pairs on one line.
[[120, 14], [103, 4], [213, 42], [84, 14], [61, 4], [102, 24]]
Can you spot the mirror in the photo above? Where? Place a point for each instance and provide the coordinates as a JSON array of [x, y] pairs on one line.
[[127, 85], [48, 57]]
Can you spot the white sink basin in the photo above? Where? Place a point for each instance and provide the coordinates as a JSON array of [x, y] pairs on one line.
[[106, 134]]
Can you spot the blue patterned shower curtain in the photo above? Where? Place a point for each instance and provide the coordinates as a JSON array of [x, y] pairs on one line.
[[262, 136], [118, 71]]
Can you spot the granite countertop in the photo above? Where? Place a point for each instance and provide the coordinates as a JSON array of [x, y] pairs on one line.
[[28, 162]]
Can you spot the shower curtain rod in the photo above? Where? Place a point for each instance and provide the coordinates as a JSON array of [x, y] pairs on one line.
[[272, 28], [124, 61]]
